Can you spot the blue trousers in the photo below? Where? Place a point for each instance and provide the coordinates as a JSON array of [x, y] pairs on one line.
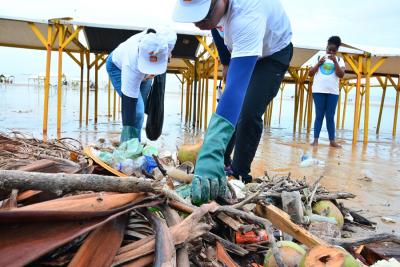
[[115, 76], [325, 106]]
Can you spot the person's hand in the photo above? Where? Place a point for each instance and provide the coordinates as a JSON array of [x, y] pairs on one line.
[[321, 61], [225, 71], [209, 181], [333, 58]]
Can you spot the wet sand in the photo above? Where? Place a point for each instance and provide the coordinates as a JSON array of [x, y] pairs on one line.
[[371, 172]]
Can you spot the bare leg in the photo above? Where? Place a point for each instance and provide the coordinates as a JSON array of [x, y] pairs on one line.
[[315, 143], [334, 144]]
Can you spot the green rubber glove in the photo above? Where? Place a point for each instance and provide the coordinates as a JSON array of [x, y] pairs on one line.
[[128, 133], [209, 179]]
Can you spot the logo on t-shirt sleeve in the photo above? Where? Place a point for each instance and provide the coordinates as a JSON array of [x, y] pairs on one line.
[[327, 68]]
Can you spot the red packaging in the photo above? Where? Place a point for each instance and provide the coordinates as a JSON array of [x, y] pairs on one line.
[[251, 237]]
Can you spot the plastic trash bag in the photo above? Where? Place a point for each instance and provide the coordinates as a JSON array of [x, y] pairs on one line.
[[106, 157], [150, 151], [155, 108], [131, 148]]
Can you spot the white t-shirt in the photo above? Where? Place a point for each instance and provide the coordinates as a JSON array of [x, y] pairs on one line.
[[256, 28], [325, 80], [125, 57]]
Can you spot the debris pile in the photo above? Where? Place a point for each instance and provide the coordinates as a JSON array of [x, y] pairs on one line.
[[87, 218]]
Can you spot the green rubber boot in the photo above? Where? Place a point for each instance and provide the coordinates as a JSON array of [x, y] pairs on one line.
[[128, 133], [209, 179]]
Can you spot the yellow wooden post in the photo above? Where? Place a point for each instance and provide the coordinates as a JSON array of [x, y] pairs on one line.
[[384, 86], [47, 80], [396, 108], [270, 112], [187, 104], [87, 86], [81, 88], [266, 117], [346, 91], [306, 107], [96, 87], [296, 104], [203, 89], [199, 87], [339, 107], [206, 104], [357, 112], [190, 100], [361, 107], [281, 100], [182, 88], [59, 83], [301, 99], [367, 98]]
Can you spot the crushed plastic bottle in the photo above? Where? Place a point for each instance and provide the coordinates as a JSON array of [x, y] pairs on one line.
[[150, 164], [131, 166], [308, 161]]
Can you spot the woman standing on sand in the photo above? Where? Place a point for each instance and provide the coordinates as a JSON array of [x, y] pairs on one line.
[[327, 73]]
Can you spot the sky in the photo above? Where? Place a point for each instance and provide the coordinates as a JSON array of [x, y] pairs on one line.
[[365, 22]]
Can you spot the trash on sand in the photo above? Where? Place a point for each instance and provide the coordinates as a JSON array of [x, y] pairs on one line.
[[388, 220], [147, 220], [308, 161]]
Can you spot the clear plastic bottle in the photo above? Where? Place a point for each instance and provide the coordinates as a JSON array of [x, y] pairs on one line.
[[131, 166]]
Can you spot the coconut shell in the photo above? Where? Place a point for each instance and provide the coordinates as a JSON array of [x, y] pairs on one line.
[[328, 209], [322, 256], [291, 254], [189, 152]]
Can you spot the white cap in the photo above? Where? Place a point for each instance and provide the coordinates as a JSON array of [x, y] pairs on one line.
[[191, 10], [153, 55], [169, 35]]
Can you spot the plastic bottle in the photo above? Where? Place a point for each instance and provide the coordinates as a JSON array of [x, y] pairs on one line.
[[308, 161], [131, 166]]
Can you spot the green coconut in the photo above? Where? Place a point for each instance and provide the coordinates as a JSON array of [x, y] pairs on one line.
[[332, 256], [328, 209], [189, 152], [291, 254]]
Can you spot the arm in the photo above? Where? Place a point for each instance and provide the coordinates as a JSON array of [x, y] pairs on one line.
[[339, 70], [314, 69], [224, 54], [238, 79]]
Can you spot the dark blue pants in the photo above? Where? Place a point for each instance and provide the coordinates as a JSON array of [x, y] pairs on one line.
[[325, 106], [264, 85]]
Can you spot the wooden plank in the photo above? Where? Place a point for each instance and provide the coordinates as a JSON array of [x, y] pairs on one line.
[[232, 223], [281, 220]]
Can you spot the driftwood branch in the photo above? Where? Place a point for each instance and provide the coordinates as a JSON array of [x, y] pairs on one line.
[[317, 197], [55, 182]]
